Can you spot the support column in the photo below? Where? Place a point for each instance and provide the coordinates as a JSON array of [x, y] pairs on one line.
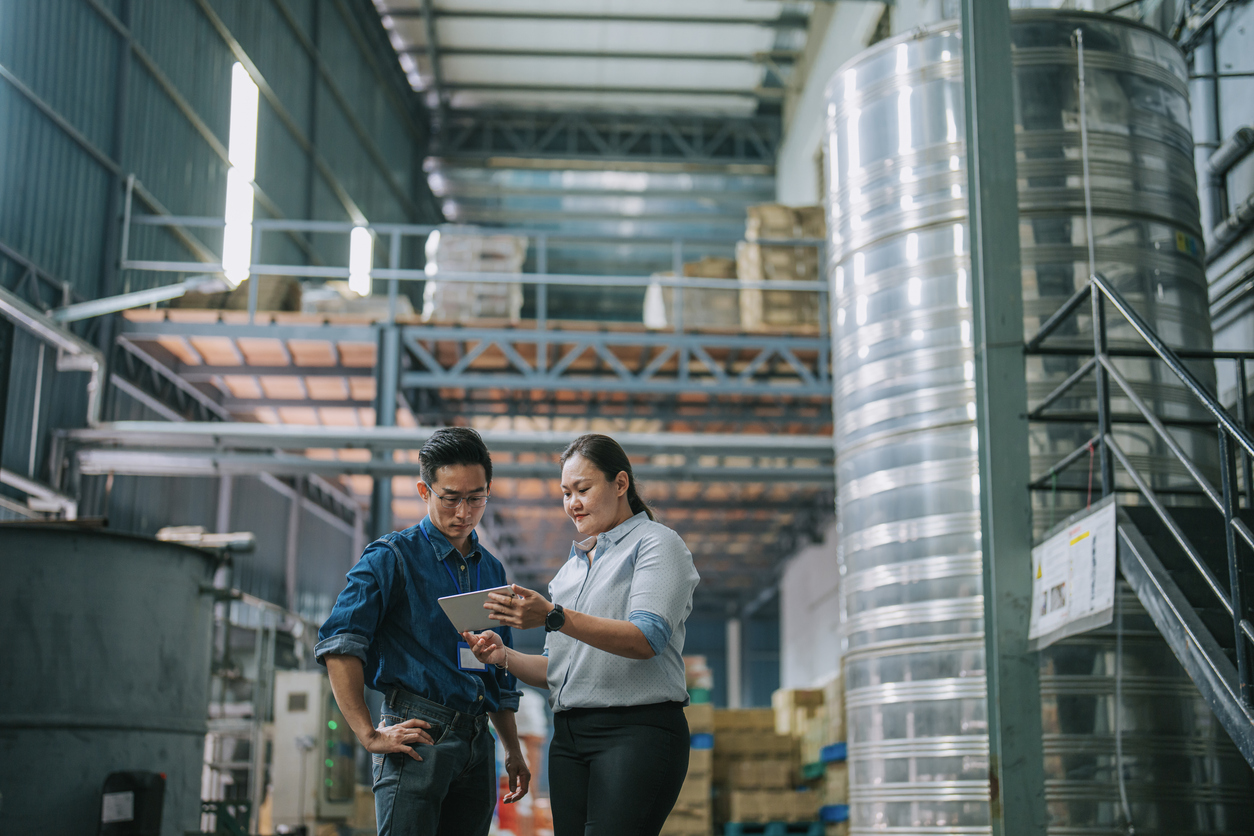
[[386, 381], [293, 544], [222, 525], [1016, 764], [735, 657]]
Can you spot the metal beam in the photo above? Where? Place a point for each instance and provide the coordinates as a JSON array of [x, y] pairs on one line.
[[601, 136], [182, 463], [225, 435], [135, 299], [387, 373], [433, 53], [205, 374], [609, 90], [781, 22], [1016, 759], [783, 56]]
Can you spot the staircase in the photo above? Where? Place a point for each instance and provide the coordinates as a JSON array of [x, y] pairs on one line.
[[1191, 567], [1184, 608]]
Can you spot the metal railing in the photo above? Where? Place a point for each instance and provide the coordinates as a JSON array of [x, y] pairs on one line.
[[391, 238], [1234, 439]]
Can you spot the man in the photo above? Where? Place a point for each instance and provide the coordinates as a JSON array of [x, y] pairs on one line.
[[433, 758]]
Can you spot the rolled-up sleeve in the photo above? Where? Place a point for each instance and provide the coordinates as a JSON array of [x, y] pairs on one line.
[[662, 584], [360, 607]]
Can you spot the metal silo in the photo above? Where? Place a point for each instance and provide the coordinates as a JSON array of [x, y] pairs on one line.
[[106, 669], [904, 399]]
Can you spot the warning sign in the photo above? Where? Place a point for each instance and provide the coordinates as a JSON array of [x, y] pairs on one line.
[[1073, 576]]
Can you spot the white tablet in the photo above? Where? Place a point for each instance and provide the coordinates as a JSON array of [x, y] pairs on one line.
[[466, 610]]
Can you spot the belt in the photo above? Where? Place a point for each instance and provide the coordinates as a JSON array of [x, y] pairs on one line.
[[397, 697]]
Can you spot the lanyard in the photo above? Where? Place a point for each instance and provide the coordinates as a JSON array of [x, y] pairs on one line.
[[447, 568]]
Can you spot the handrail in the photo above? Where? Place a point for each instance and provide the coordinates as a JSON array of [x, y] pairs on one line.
[[1175, 364], [1102, 366]]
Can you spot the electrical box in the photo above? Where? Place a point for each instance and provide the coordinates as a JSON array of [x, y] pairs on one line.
[[313, 767]]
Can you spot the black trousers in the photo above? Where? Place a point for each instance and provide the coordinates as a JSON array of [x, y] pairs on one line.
[[616, 771]]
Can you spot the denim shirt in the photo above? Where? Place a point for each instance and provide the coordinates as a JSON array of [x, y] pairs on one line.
[[388, 618]]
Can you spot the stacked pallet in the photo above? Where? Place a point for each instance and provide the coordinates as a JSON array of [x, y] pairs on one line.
[[815, 719], [702, 308], [756, 771], [757, 260], [472, 252], [693, 814]]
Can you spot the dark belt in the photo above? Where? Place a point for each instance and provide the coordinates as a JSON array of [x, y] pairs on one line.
[[399, 697]]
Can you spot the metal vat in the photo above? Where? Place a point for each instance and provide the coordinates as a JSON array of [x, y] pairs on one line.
[[106, 668], [907, 476]]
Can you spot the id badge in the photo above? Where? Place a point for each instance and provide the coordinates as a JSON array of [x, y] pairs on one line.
[[466, 660]]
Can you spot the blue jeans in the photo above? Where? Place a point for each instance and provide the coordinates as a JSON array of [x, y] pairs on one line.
[[452, 790]]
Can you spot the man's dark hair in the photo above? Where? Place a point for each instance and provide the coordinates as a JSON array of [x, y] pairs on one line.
[[453, 445]]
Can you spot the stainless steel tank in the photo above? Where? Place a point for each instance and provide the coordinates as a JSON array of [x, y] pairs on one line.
[[904, 401], [105, 668]]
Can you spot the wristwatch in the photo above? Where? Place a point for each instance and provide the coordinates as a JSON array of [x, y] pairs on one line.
[[555, 620]]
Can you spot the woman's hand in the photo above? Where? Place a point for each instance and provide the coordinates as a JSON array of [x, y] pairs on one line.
[[523, 610], [487, 647]]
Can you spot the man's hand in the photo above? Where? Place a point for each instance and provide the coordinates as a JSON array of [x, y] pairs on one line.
[[523, 610], [519, 776], [389, 739], [487, 647]]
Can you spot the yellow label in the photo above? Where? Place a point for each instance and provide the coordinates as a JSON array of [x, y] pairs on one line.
[[1078, 538]]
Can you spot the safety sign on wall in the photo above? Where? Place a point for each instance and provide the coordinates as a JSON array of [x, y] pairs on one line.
[[1073, 576]]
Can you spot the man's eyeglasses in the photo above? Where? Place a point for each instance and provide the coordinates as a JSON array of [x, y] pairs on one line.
[[451, 502]]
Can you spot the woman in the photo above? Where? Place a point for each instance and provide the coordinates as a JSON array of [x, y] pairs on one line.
[[612, 660]]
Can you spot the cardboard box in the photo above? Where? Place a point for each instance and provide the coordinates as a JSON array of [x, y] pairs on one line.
[[702, 308], [761, 308], [696, 791], [836, 784], [700, 762], [753, 744], [711, 267], [700, 718], [774, 221], [743, 719], [689, 822], [793, 707], [769, 805], [762, 774], [453, 251], [813, 733], [811, 221]]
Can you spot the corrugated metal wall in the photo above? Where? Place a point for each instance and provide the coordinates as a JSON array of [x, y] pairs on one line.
[[92, 91]]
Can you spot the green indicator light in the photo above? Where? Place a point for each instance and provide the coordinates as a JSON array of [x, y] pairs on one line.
[[330, 783], [330, 763], [332, 725]]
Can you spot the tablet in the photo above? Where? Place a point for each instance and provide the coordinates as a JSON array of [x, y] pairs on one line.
[[466, 610]]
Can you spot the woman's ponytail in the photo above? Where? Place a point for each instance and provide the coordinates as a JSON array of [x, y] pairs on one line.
[[633, 498]]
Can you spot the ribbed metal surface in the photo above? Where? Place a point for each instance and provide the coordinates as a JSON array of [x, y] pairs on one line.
[[106, 669], [907, 475], [56, 189], [56, 192]]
